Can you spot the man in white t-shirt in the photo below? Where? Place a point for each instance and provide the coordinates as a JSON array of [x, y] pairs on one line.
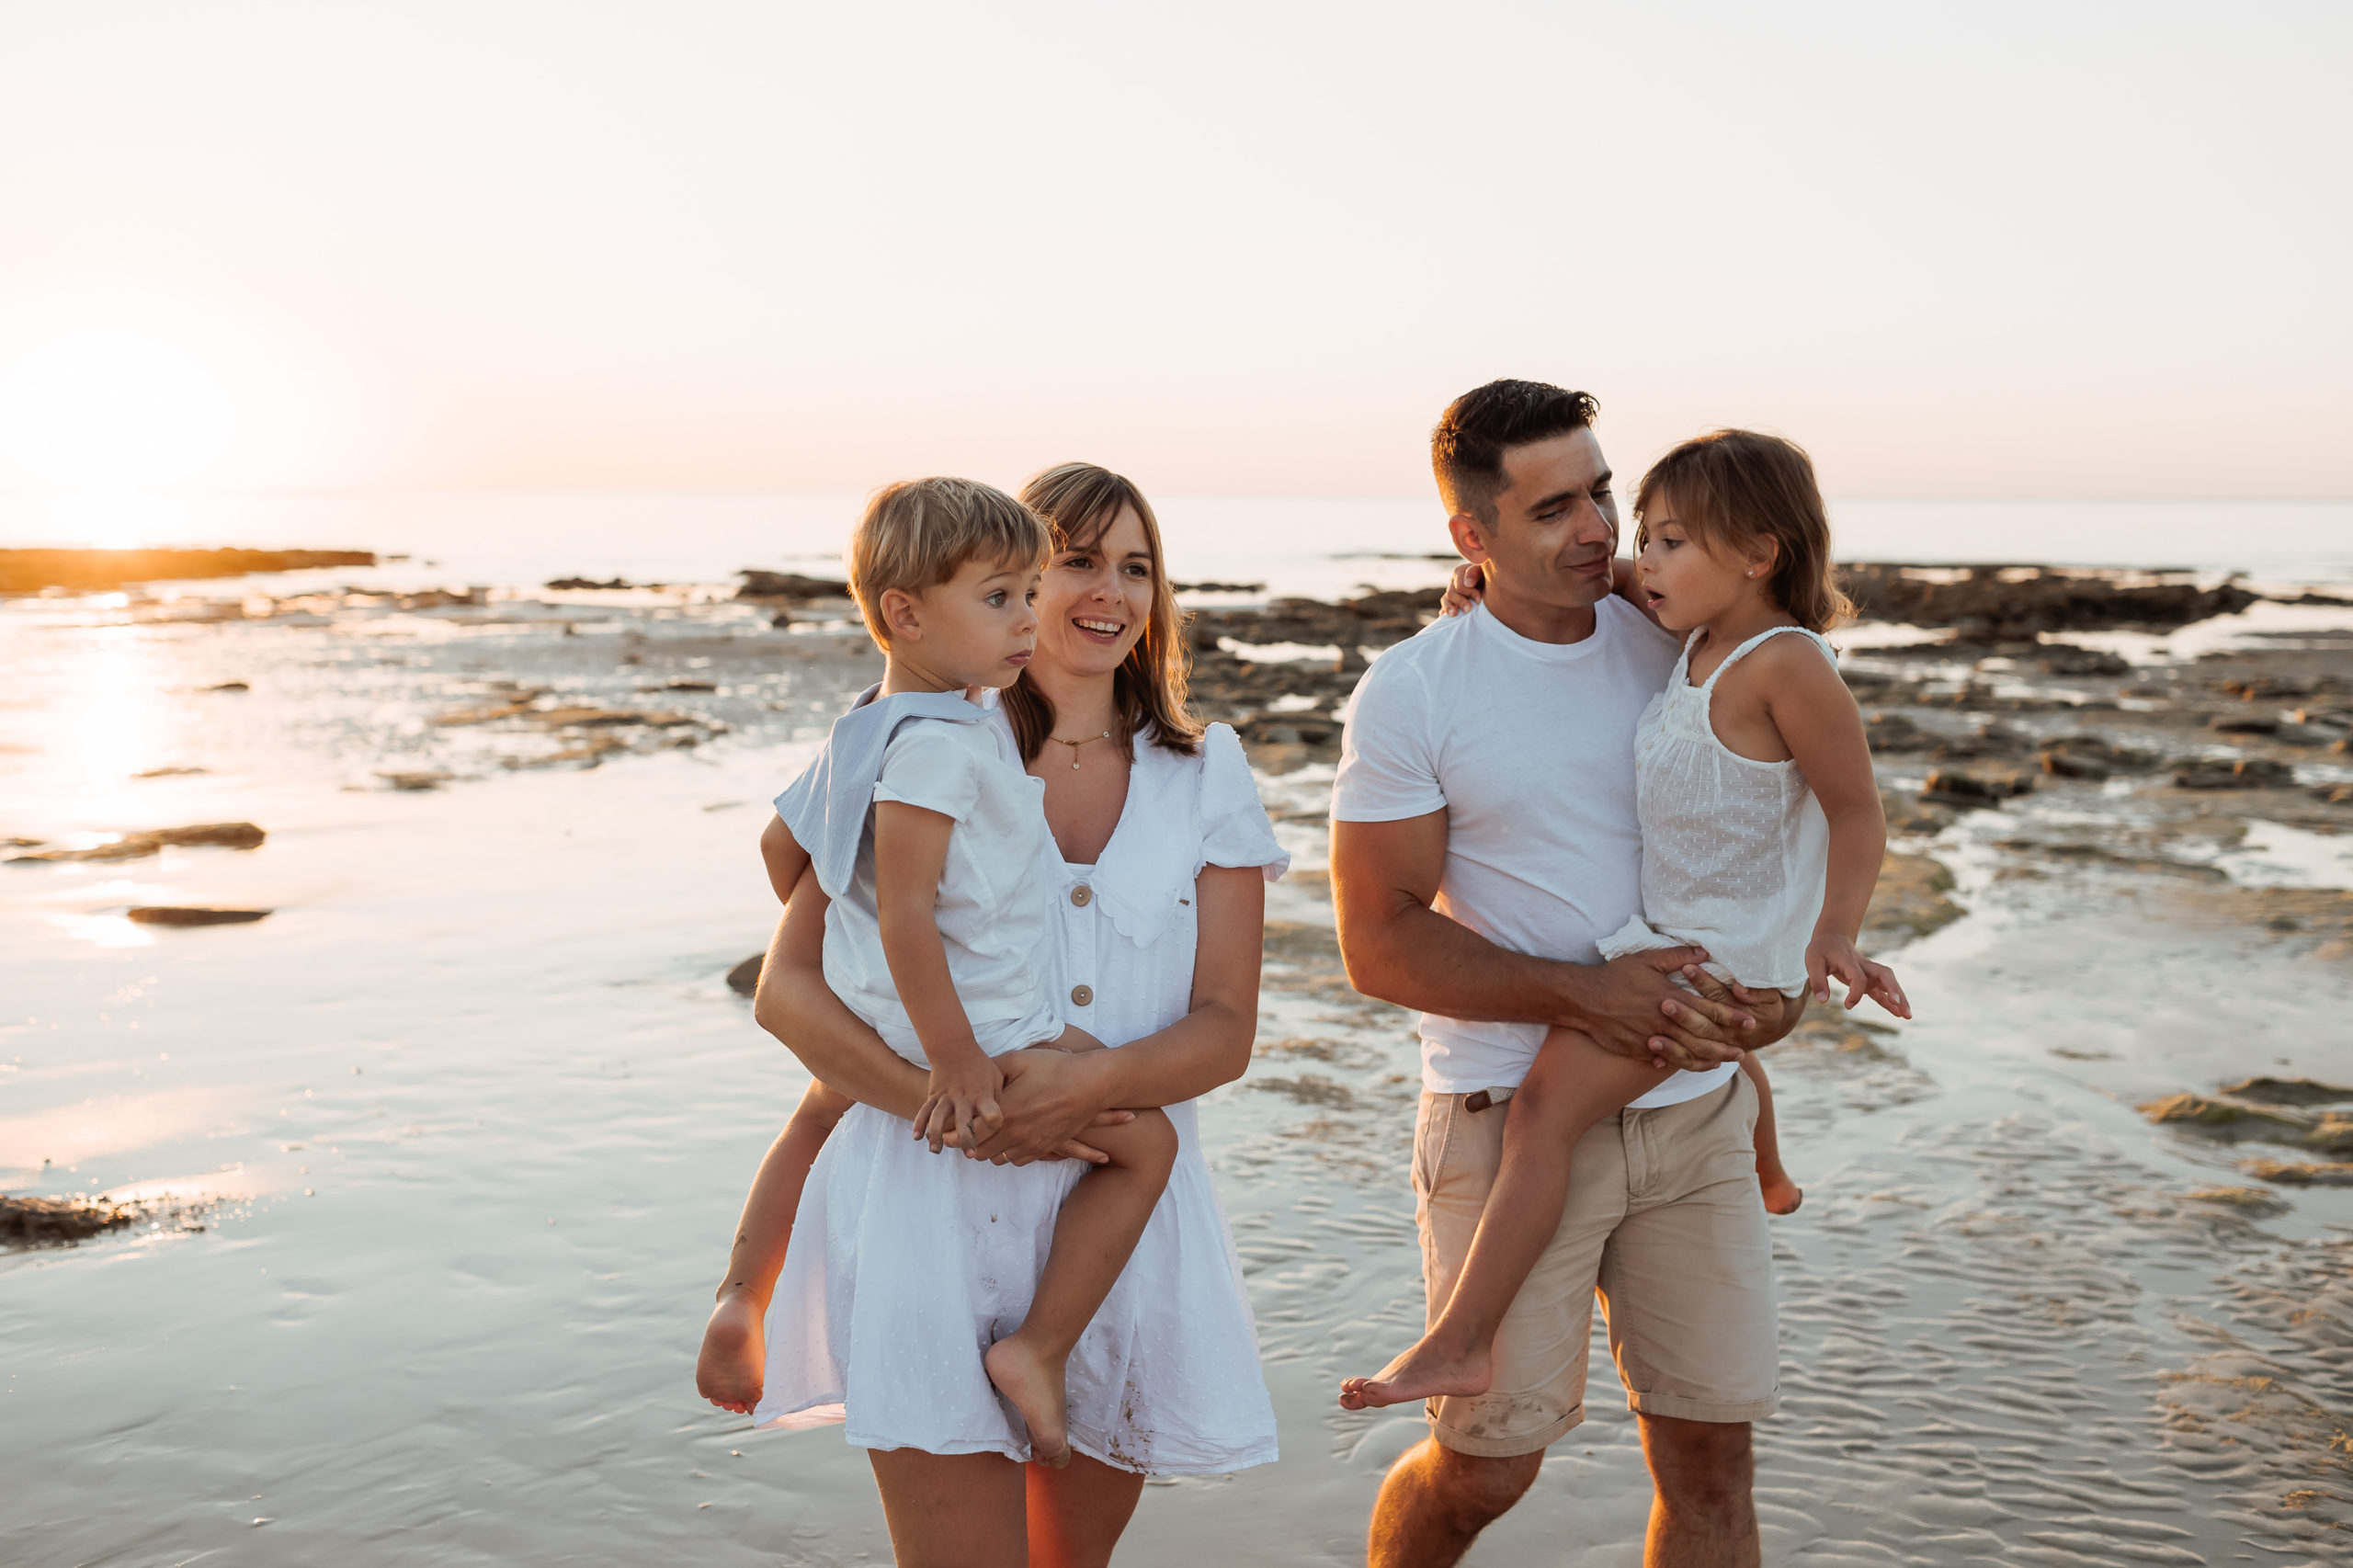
[[1483, 837]]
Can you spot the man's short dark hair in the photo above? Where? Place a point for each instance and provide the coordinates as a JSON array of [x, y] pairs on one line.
[[1467, 448]]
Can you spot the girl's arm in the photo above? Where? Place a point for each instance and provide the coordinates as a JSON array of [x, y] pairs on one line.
[[909, 853], [1819, 722], [1468, 584], [1054, 1096]]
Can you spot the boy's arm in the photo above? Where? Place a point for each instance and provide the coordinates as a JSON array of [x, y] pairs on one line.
[[909, 853], [784, 857], [1824, 730]]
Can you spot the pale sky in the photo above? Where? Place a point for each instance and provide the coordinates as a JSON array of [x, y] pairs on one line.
[[1992, 249]]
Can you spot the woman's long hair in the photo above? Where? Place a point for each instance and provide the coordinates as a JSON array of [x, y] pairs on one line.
[[1080, 502]]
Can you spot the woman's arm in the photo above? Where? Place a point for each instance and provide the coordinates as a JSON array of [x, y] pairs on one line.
[[795, 1005], [1054, 1095]]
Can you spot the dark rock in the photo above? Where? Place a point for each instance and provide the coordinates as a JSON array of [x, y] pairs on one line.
[[28, 1220], [1890, 733], [138, 845], [1909, 900], [2331, 1174], [2333, 794], [1995, 741], [187, 914], [2225, 1119], [220, 835], [168, 772], [419, 780], [2244, 773], [1290, 729], [2286, 1091], [91, 571], [574, 585], [2088, 757], [230, 686], [1975, 791], [2243, 724], [2067, 659], [744, 977], [788, 586], [691, 685], [1219, 588], [1989, 603]]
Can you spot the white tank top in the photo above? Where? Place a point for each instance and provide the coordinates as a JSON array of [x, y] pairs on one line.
[[1734, 851]]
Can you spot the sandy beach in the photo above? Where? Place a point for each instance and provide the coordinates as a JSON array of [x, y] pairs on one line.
[[430, 1168]]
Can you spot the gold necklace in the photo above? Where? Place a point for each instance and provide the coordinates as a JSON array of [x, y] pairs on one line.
[[1075, 744]]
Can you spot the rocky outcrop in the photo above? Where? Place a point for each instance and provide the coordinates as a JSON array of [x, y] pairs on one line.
[[94, 570], [1988, 604], [192, 914], [32, 1219], [790, 586], [138, 845]]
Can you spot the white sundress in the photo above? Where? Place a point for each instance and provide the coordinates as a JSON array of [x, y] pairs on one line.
[[906, 1266], [1734, 850]]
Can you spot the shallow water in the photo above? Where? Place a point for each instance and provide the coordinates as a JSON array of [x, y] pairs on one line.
[[458, 1131]]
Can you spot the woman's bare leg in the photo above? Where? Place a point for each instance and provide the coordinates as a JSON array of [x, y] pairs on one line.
[[1782, 1195], [1100, 1223], [952, 1510], [734, 1363], [1076, 1513], [1573, 1083]]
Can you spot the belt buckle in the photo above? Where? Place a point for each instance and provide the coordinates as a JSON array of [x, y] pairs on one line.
[[1482, 1100]]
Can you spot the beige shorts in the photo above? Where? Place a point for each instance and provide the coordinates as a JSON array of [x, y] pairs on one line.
[[1663, 1221]]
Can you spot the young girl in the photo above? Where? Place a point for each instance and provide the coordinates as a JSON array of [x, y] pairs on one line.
[[926, 835], [1762, 836]]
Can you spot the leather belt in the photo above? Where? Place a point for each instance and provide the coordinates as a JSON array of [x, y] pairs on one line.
[[1479, 1099]]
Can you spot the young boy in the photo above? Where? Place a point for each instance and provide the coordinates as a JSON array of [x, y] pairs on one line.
[[926, 835]]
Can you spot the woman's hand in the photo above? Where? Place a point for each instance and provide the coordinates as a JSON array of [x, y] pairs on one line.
[[1050, 1098]]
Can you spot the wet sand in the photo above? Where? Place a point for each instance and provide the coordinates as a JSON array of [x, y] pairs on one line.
[[441, 1157]]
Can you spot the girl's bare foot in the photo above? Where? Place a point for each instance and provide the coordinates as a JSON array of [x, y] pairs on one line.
[[733, 1361], [1034, 1384], [1422, 1372], [1782, 1195]]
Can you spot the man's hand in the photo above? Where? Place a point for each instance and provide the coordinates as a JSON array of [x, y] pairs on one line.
[[1631, 1007], [1776, 1013]]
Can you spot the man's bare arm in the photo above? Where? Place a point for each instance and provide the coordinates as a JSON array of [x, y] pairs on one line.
[[1384, 878]]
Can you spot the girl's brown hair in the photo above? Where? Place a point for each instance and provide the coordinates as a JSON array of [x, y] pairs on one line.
[[1080, 502], [1734, 487]]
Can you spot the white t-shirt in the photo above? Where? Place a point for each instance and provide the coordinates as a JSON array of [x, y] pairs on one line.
[[1528, 748], [995, 921]]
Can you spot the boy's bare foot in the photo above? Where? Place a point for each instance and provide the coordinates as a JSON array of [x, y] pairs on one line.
[[734, 1362], [1782, 1195], [1422, 1372], [1034, 1384]]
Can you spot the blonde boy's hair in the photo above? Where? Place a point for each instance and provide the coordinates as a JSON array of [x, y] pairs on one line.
[[919, 533]]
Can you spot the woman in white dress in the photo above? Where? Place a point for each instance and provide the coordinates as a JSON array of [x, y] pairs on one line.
[[1160, 857]]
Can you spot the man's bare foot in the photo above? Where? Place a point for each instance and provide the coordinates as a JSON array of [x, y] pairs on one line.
[[735, 1356], [1782, 1195], [1422, 1372], [1034, 1384]]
